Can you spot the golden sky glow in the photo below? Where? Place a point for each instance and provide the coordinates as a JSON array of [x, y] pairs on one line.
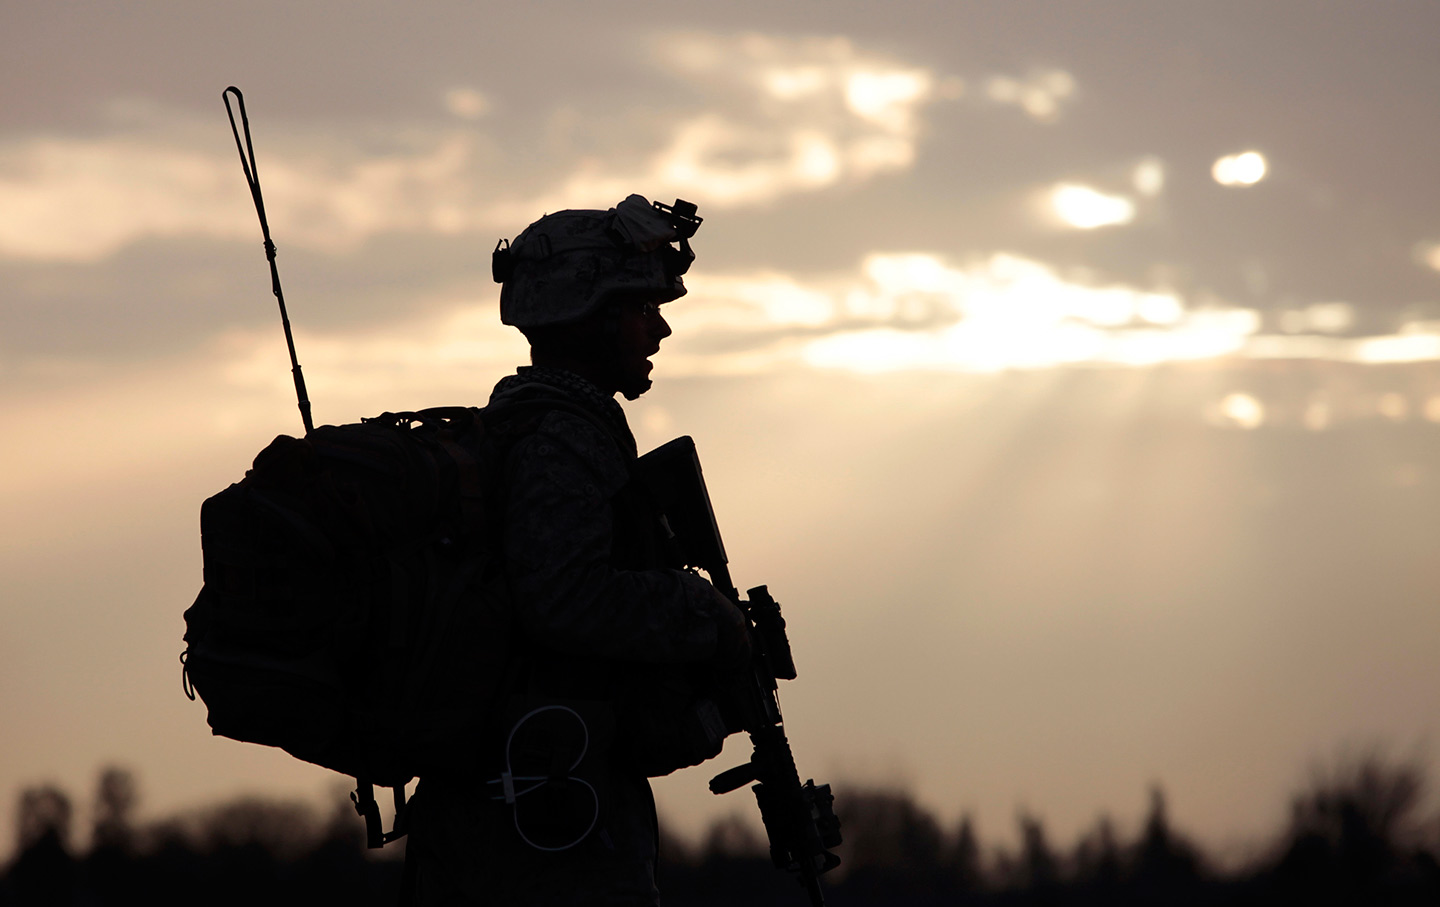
[[1074, 381]]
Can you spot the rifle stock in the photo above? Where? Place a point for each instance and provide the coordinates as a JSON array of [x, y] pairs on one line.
[[799, 820]]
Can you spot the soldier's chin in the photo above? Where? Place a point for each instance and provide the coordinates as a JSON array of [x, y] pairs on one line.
[[635, 380], [634, 387]]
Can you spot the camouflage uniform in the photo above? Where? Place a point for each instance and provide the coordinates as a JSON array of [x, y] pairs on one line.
[[597, 618]]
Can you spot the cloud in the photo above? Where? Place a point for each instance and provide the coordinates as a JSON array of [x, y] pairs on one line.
[[1319, 318], [785, 116], [1244, 169], [1239, 410], [238, 385], [1085, 208], [893, 312], [83, 200], [1427, 254], [442, 355], [467, 103], [919, 311], [1038, 94], [779, 116], [1008, 311], [1149, 176]]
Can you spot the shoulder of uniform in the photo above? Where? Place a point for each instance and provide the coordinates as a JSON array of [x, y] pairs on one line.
[[569, 440]]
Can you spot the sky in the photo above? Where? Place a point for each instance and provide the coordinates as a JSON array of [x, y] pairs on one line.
[[1070, 372]]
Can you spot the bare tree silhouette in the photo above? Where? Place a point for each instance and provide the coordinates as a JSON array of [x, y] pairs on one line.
[[115, 799], [1038, 868], [1355, 832], [44, 870], [1163, 858], [1097, 860], [1356, 835], [961, 861]]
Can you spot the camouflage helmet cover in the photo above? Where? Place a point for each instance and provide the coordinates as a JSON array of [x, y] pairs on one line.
[[565, 265]]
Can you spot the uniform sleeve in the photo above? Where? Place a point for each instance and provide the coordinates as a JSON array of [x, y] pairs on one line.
[[557, 540]]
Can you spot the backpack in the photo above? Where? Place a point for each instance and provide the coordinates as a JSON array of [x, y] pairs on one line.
[[354, 609]]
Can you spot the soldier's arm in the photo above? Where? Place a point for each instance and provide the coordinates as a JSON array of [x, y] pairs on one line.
[[558, 538]]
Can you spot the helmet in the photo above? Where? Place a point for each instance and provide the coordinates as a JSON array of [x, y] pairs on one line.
[[565, 265]]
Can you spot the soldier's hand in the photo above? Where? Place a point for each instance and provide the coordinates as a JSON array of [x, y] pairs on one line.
[[734, 649]]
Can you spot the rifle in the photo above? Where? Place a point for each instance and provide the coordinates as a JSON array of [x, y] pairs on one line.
[[799, 820]]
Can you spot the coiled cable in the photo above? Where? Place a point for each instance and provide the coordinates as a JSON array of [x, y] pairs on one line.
[[514, 786]]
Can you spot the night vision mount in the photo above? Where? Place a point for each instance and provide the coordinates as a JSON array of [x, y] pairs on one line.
[[682, 217]]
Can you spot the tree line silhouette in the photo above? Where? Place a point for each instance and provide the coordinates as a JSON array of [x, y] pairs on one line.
[[1355, 835]]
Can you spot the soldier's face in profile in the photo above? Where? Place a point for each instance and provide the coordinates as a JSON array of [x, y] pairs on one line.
[[639, 329]]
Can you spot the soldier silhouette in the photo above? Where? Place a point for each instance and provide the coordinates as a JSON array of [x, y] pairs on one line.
[[617, 661]]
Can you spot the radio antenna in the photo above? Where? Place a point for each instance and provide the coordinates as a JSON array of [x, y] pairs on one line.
[[247, 161]]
